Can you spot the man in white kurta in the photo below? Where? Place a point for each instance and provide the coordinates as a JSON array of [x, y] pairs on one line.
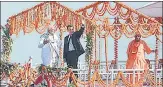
[[50, 45]]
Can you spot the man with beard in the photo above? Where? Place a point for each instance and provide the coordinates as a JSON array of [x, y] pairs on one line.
[[136, 55], [50, 45]]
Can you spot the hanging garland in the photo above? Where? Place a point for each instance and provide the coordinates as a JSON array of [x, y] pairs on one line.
[[89, 45], [19, 76], [29, 23], [135, 21], [40, 16]]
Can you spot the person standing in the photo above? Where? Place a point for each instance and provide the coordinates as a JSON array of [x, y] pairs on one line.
[[50, 45], [136, 55], [72, 47]]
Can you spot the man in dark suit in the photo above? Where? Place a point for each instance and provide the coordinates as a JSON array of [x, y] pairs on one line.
[[72, 46]]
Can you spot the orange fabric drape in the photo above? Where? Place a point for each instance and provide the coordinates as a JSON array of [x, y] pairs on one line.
[[132, 52]]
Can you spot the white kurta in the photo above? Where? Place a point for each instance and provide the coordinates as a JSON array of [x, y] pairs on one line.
[[50, 51]]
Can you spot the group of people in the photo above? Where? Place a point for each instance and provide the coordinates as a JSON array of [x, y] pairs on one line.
[[51, 44]]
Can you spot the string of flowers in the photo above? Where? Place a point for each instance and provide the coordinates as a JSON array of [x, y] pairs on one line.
[[141, 23], [18, 77], [113, 11], [89, 44], [57, 12], [40, 16]]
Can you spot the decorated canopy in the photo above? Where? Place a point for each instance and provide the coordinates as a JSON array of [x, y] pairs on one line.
[[153, 9], [40, 16], [128, 20]]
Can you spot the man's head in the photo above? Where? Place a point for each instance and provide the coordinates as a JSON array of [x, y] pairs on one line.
[[70, 29], [137, 37], [51, 30]]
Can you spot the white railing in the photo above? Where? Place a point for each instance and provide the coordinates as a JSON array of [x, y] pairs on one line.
[[111, 75], [121, 65]]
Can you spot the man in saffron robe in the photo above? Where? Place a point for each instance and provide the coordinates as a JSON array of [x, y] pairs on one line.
[[136, 55]]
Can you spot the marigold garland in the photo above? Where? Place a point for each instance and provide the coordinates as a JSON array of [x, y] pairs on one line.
[[36, 18], [18, 77]]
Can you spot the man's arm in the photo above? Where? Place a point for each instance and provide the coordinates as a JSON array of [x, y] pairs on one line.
[[41, 43], [128, 49], [147, 49], [43, 40], [80, 32]]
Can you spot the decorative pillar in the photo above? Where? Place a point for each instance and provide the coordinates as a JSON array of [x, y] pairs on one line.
[[92, 33], [61, 51], [116, 52], [156, 59], [95, 44], [116, 44], [106, 53]]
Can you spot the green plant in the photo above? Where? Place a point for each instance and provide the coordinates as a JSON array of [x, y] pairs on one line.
[[7, 68], [49, 69], [6, 50], [89, 44], [6, 44], [71, 85]]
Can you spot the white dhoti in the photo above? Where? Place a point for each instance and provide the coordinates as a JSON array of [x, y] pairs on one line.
[[46, 56]]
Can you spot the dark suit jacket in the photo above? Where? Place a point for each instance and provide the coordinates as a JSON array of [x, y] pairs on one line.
[[76, 43]]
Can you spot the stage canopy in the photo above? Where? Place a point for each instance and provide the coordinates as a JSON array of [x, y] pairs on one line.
[[126, 20], [153, 9]]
